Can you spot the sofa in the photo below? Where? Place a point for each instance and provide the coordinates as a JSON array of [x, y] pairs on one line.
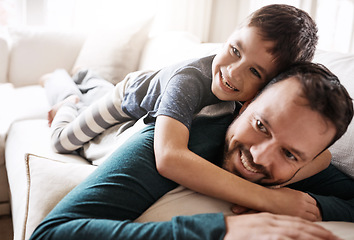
[[33, 178]]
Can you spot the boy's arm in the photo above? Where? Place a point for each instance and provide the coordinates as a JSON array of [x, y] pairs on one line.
[[175, 161]]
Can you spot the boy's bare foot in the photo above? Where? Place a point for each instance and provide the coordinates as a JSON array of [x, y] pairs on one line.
[[51, 114], [44, 78]]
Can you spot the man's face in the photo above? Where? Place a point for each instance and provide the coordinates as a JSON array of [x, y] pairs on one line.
[[275, 136], [243, 66]]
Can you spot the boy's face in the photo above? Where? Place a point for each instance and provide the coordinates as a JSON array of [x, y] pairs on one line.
[[276, 135], [243, 66]]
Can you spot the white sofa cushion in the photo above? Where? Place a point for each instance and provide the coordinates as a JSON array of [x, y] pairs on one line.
[[48, 182], [35, 52], [114, 52]]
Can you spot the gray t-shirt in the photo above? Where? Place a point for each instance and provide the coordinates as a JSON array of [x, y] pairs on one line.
[[179, 91]]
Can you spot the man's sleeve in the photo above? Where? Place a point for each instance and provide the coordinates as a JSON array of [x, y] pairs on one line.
[[334, 193], [334, 208]]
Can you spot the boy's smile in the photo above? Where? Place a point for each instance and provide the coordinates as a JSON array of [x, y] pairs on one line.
[[226, 83], [243, 66]]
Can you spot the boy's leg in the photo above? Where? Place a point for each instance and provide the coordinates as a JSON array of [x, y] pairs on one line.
[[91, 85], [58, 86], [68, 136]]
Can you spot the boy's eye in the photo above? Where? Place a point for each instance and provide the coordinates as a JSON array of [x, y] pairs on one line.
[[255, 72], [236, 52], [289, 155]]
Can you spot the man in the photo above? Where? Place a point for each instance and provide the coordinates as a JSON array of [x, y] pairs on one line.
[[284, 128]]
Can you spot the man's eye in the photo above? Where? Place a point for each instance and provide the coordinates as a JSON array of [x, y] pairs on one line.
[[236, 52], [289, 155], [260, 126], [255, 72]]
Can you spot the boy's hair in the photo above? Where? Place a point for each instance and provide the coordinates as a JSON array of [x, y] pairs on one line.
[[324, 93], [291, 29]]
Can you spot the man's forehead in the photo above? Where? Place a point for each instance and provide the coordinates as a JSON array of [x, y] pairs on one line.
[[282, 101], [288, 89]]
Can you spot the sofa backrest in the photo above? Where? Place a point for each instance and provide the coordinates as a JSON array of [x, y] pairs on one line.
[[27, 54], [37, 52], [171, 47]]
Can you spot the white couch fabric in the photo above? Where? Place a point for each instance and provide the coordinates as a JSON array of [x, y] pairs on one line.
[[4, 60], [38, 178]]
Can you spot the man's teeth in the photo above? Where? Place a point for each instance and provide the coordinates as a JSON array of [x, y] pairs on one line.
[[245, 164], [226, 84]]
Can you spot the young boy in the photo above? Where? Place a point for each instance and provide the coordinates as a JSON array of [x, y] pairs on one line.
[[269, 41]]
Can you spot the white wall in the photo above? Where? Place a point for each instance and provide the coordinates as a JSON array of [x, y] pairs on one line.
[[210, 20]]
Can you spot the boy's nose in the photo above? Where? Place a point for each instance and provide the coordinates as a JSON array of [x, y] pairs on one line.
[[235, 70]]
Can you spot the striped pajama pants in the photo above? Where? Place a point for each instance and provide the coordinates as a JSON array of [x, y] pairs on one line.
[[72, 127]]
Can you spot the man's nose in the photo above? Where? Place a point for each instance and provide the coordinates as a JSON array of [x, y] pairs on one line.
[[264, 153]]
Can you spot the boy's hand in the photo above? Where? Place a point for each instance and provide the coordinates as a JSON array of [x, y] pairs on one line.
[[271, 226], [295, 203]]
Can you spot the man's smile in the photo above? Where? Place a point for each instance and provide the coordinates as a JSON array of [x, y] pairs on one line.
[[245, 163], [247, 168]]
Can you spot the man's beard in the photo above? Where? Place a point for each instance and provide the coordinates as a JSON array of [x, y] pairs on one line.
[[227, 160]]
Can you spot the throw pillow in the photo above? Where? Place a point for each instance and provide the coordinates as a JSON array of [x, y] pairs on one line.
[[114, 52], [48, 182]]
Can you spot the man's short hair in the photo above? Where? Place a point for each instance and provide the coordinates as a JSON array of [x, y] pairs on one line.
[[324, 93]]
